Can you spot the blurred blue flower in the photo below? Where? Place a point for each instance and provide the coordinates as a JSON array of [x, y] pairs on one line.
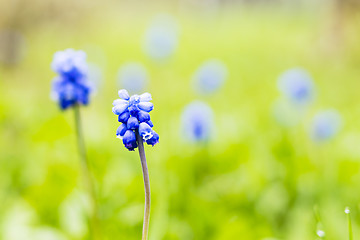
[[161, 38], [133, 77], [297, 85], [210, 76], [72, 85], [325, 125], [197, 121], [133, 113], [70, 64]]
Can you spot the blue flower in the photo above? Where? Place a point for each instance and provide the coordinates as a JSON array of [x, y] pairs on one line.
[[133, 113], [71, 86], [197, 121], [70, 64], [297, 85], [325, 125], [210, 76], [133, 76], [161, 38]]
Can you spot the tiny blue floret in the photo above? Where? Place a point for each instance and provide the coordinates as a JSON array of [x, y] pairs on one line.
[[133, 113], [71, 86]]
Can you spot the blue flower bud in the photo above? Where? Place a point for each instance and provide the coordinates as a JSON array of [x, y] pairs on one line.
[[154, 140], [145, 131], [145, 97], [124, 117], [123, 94], [121, 130], [150, 123], [134, 110], [146, 106], [143, 116], [129, 140], [119, 108], [132, 123]]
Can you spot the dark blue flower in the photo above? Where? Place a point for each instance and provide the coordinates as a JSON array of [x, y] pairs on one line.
[[133, 112], [154, 140], [129, 140], [71, 86]]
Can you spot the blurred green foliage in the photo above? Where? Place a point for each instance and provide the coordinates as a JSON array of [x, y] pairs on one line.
[[253, 180]]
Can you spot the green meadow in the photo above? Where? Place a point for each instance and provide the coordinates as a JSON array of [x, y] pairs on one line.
[[253, 179]]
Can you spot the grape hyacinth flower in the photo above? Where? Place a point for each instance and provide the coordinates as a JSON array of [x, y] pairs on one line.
[[197, 121], [210, 76], [133, 77], [297, 85], [136, 128], [325, 125], [71, 87]]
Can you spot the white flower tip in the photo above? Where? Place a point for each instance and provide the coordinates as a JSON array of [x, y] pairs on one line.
[[147, 136], [320, 233], [119, 137], [347, 210]]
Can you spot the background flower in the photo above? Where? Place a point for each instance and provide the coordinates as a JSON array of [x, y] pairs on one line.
[[197, 122], [161, 38], [210, 76], [72, 85], [133, 76], [297, 85], [325, 125]]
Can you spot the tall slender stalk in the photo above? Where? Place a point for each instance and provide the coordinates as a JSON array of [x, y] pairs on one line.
[[347, 211], [85, 165], [146, 186]]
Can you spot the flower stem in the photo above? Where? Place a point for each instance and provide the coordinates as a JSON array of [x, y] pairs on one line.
[[85, 165], [146, 186], [347, 211]]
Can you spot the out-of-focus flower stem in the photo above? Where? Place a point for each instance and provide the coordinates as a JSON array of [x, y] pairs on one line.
[[146, 186], [94, 233]]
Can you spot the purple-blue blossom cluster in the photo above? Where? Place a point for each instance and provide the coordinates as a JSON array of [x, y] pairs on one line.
[[71, 86], [133, 113]]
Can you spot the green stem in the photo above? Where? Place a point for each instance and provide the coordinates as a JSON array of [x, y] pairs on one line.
[[347, 211], [146, 186], [85, 165]]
